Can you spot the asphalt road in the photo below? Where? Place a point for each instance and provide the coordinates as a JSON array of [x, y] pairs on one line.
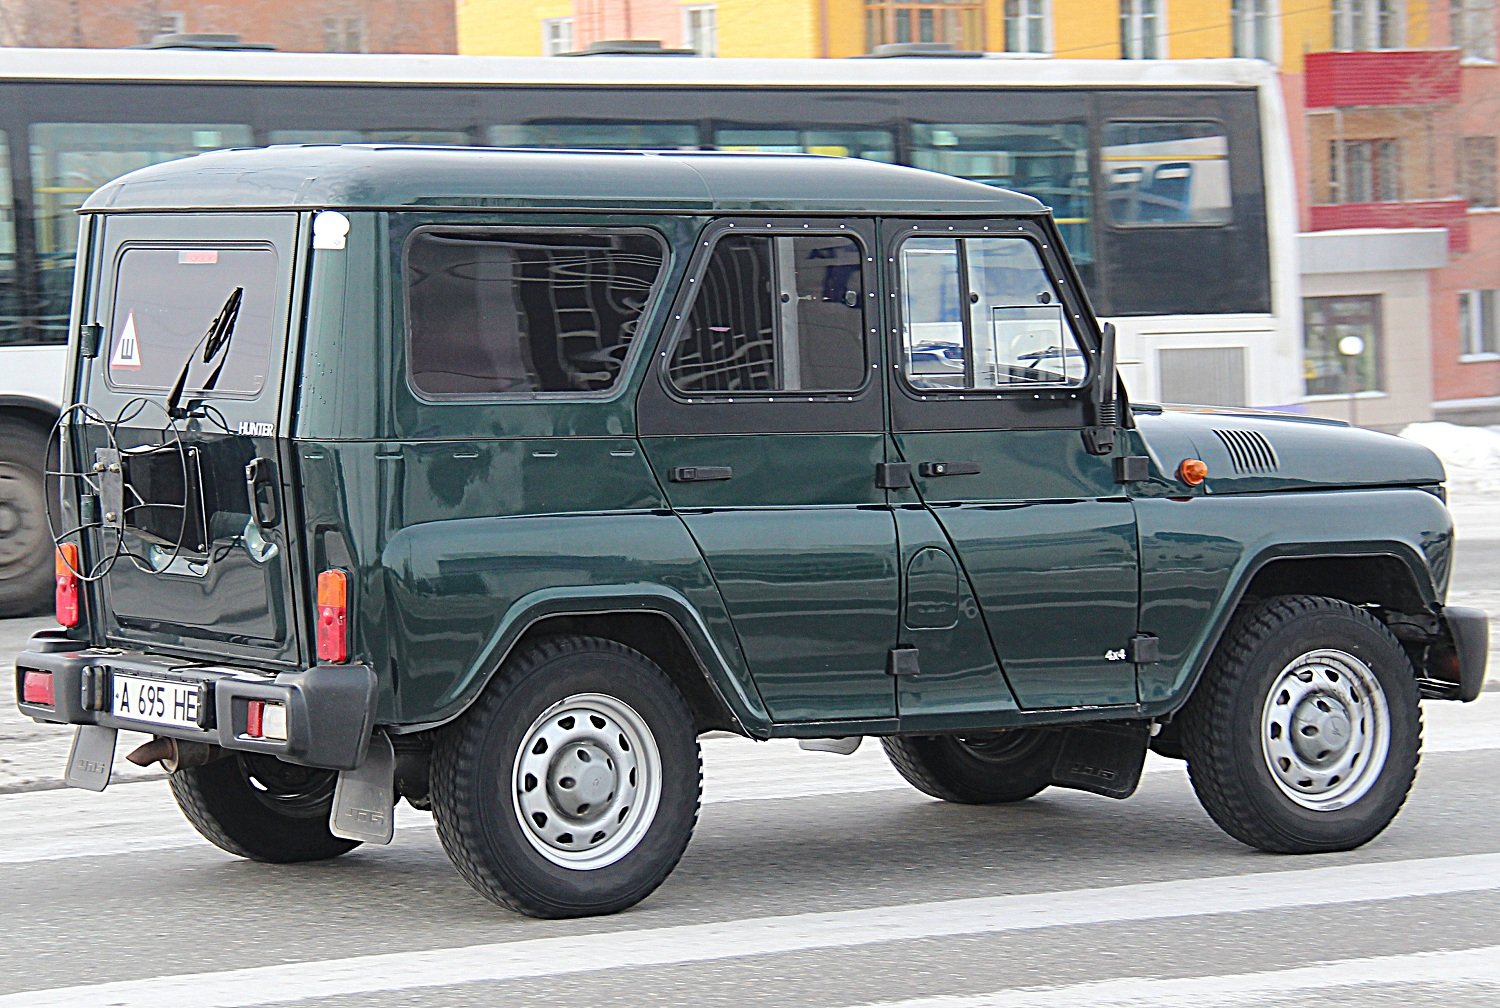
[[813, 879]]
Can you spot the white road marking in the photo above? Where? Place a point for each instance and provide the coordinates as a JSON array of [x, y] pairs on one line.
[[1435, 972], [138, 817], [503, 962]]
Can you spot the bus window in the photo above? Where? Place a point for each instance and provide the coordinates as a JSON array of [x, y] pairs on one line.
[[454, 138], [71, 160], [1166, 172], [10, 307], [1049, 161], [872, 145], [597, 135]]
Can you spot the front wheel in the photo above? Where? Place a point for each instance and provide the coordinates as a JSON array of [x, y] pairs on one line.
[[571, 787], [985, 768], [1305, 733]]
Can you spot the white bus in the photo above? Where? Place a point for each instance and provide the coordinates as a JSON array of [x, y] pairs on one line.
[[1172, 180]]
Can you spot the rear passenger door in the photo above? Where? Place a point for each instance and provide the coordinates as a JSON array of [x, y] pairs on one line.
[[763, 420], [989, 396]]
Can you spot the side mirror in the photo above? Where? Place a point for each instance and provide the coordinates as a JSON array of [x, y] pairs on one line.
[[1099, 438]]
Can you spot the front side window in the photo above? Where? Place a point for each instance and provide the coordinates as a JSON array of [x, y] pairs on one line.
[[1342, 337], [775, 313], [1026, 26], [869, 145], [1254, 25], [166, 300], [500, 312], [981, 313], [1142, 30], [621, 134], [1477, 323], [1166, 172]]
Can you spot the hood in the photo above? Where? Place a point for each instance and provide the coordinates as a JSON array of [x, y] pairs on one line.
[[1250, 451]]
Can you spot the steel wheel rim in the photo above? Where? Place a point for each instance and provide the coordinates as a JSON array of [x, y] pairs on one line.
[[1325, 730], [587, 781]]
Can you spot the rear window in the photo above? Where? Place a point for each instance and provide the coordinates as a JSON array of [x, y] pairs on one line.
[[502, 312], [166, 300]]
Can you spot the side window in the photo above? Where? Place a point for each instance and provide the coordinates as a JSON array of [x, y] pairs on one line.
[[982, 313], [775, 314], [10, 307], [502, 312], [1166, 172]]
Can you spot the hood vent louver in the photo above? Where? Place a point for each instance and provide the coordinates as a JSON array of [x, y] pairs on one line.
[[1250, 452]]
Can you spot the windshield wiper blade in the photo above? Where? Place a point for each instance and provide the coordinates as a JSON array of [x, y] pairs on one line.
[[214, 341]]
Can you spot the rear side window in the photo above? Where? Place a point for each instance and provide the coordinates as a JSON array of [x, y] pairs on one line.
[[502, 312], [1166, 172], [167, 299], [775, 314]]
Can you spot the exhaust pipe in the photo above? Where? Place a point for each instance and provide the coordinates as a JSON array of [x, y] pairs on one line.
[[174, 755]]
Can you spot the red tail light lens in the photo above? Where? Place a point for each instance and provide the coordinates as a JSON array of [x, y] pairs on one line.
[[36, 688], [333, 622], [65, 566]]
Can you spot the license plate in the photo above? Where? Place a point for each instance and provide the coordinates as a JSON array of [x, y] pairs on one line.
[[156, 701]]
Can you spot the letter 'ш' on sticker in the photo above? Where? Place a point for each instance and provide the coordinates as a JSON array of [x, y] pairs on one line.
[[128, 350]]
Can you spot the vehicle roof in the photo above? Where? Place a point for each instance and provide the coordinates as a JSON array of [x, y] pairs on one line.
[[370, 176]]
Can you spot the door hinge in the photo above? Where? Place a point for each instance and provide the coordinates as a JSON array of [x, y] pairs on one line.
[[902, 661], [1132, 468], [893, 475], [1143, 649], [90, 334]]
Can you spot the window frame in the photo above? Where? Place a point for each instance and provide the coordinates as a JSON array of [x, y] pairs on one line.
[[551, 27], [1471, 27], [1357, 25], [1028, 13], [1133, 17], [1473, 313], [1374, 347], [628, 363], [1102, 186], [708, 245], [1248, 19], [707, 16], [1479, 173]]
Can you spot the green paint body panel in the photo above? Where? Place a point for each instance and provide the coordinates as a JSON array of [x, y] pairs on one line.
[[464, 523]]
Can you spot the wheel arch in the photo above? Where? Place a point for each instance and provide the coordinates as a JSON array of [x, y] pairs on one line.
[[39, 413]]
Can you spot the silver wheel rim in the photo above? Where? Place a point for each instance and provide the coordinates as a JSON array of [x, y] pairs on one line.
[[587, 781], [1325, 730]]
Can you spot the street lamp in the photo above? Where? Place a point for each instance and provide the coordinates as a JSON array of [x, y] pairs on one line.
[[1351, 347]]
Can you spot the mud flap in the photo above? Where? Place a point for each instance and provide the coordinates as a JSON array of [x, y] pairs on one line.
[[364, 800], [1103, 758], [92, 757]]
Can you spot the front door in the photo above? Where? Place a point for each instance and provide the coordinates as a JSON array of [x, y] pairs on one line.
[[763, 421], [988, 400]]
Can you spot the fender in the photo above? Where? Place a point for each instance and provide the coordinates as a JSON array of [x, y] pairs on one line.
[[732, 686], [41, 409]]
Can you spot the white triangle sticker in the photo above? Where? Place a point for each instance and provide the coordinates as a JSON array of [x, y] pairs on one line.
[[128, 349]]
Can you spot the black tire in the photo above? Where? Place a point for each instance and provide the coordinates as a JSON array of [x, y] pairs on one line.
[[26, 576], [982, 769], [1232, 728], [258, 807], [580, 858]]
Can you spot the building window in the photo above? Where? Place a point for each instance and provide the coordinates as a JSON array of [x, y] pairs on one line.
[[959, 23], [700, 30], [1480, 337], [1142, 29], [1365, 171], [557, 36], [1026, 26], [1327, 322], [1368, 24], [1476, 160], [1254, 28], [161, 23], [344, 34], [1472, 23]]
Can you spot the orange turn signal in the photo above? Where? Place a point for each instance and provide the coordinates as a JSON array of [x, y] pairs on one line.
[[1192, 471]]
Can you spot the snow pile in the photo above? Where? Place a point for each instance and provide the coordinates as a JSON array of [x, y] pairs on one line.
[[1470, 454]]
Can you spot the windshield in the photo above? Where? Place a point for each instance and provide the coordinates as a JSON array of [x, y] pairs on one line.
[[166, 299]]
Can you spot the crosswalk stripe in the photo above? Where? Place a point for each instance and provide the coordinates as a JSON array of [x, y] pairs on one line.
[[1435, 972], [769, 936]]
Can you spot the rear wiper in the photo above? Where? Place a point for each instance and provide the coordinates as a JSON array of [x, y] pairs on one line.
[[214, 342]]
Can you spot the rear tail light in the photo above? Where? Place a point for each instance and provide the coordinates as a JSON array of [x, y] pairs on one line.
[[266, 720], [65, 566], [36, 687], [333, 621]]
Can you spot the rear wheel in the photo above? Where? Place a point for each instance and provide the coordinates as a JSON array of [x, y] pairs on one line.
[[571, 787], [1305, 733], [26, 576], [981, 769], [260, 808]]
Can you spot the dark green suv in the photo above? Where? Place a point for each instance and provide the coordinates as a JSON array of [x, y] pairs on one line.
[[492, 479]]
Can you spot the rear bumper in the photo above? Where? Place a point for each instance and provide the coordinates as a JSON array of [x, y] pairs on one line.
[[330, 708]]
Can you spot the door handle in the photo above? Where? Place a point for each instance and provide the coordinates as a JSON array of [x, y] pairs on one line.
[[700, 474], [261, 486], [931, 469]]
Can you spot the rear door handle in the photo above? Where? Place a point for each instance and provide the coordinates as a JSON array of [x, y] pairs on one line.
[[700, 474], [931, 469]]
